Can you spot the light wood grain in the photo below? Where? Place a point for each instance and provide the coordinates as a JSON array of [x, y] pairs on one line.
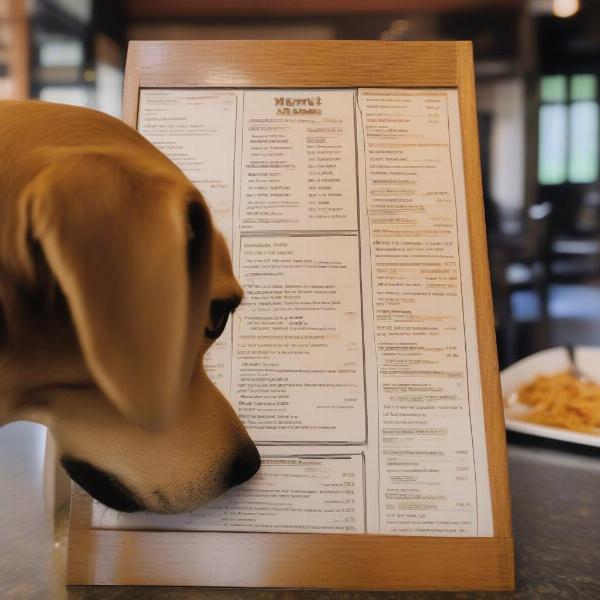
[[302, 560], [484, 309], [367, 562], [328, 64], [361, 562], [131, 87], [293, 64]]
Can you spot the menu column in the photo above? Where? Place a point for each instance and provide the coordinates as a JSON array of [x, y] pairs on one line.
[[298, 352], [426, 473]]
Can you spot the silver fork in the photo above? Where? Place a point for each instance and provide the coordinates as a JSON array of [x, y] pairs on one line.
[[573, 368]]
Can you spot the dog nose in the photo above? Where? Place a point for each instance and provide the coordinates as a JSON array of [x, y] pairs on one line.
[[244, 465], [100, 485]]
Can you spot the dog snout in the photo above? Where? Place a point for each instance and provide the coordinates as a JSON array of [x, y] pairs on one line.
[[100, 485], [244, 465]]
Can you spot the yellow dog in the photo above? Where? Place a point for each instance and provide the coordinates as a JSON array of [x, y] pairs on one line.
[[113, 285]]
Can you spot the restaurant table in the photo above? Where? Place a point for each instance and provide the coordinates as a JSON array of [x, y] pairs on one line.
[[556, 518]]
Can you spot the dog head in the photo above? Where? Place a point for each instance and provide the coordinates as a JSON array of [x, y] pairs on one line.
[[113, 285]]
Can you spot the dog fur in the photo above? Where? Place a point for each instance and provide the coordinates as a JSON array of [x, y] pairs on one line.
[[109, 269]]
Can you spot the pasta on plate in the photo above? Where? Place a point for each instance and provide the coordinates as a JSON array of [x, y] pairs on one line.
[[562, 400]]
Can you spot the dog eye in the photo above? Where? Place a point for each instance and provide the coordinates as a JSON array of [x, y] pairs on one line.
[[219, 314], [196, 228]]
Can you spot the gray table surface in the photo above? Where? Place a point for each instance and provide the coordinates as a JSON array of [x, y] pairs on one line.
[[556, 519]]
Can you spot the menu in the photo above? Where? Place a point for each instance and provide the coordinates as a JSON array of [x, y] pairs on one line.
[[353, 359]]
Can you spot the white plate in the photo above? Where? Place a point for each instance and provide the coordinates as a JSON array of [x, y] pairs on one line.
[[548, 362]]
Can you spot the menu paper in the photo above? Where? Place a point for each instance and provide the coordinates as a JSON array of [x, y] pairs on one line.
[[353, 359]]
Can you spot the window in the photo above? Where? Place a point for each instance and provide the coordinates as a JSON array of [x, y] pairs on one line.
[[568, 130]]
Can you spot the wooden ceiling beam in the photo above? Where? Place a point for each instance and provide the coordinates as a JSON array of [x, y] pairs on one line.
[[161, 9]]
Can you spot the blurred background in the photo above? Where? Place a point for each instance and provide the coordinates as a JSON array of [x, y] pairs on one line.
[[537, 67]]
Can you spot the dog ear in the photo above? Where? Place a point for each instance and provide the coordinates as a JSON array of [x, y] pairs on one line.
[[118, 251]]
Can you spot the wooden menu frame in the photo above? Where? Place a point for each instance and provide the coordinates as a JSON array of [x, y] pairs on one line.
[[298, 560]]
